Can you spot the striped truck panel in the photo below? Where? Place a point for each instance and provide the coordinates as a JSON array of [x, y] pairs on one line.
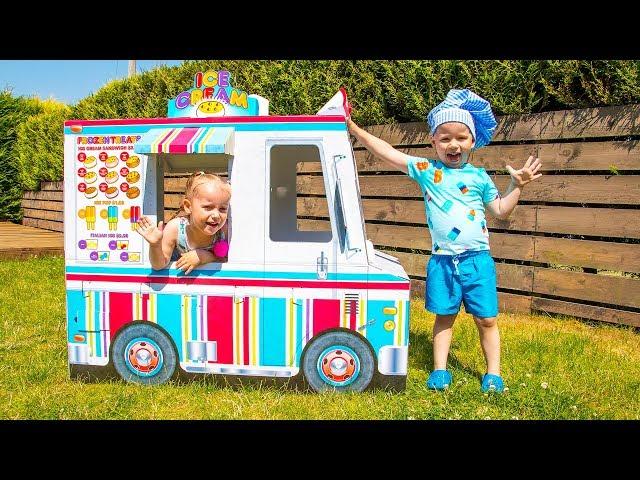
[[247, 330]]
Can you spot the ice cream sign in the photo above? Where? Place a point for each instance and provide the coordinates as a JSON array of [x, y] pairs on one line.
[[213, 96]]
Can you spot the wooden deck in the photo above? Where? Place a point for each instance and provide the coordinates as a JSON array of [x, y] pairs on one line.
[[20, 241]]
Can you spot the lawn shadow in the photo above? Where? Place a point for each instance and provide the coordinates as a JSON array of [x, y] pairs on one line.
[[421, 355]]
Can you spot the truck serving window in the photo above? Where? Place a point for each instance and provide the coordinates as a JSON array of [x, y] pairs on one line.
[[290, 166]]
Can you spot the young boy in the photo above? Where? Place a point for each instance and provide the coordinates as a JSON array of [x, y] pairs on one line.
[[456, 193]]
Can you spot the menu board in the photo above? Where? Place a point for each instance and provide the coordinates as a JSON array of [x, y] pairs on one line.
[[109, 199]]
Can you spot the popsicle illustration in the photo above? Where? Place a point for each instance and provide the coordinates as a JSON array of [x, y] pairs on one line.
[[134, 216], [113, 217], [90, 217]]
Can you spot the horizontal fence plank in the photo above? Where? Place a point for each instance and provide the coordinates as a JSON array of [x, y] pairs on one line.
[[601, 222], [623, 155], [516, 128], [44, 214], [614, 189], [587, 286], [602, 314], [43, 205], [599, 122], [507, 302], [58, 186], [44, 195], [585, 253], [410, 133], [412, 211], [44, 224], [514, 303]]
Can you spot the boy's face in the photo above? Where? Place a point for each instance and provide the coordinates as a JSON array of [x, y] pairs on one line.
[[208, 209], [453, 143]]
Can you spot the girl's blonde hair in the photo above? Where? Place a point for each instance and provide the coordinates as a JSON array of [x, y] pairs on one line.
[[193, 182]]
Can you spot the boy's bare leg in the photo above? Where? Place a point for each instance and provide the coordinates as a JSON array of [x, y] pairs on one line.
[[490, 342], [442, 331]]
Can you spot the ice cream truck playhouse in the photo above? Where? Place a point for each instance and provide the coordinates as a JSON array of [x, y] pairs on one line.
[[321, 307]]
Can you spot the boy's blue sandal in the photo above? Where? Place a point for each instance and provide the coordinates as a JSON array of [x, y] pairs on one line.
[[439, 380], [492, 383]]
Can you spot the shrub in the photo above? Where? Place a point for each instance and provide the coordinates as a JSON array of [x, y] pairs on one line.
[[13, 112], [39, 145]]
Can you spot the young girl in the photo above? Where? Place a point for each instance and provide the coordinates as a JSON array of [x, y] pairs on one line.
[[197, 234]]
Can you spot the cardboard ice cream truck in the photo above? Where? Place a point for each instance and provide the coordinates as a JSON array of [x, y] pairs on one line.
[[321, 306]]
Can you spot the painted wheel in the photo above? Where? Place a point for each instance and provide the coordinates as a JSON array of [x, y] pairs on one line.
[[338, 361], [144, 354]]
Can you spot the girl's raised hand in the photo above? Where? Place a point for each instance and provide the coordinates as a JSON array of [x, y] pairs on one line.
[[526, 174], [149, 231]]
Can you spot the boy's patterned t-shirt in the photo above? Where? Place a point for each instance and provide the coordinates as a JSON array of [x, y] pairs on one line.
[[454, 200]]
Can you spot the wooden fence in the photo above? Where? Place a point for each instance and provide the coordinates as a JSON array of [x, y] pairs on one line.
[[571, 246]]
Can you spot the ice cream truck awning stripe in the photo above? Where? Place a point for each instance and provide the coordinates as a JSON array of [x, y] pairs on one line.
[[186, 140]]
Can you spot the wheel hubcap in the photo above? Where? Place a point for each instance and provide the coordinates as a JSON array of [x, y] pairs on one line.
[[338, 366], [143, 357]]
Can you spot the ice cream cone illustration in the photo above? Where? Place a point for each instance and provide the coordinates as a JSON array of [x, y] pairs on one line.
[[90, 217]]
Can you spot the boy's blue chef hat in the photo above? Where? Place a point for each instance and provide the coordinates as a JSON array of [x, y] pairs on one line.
[[466, 107]]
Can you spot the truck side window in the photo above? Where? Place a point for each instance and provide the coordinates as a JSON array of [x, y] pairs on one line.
[[286, 206]]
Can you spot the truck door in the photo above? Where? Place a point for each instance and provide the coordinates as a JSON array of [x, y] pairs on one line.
[[300, 255]]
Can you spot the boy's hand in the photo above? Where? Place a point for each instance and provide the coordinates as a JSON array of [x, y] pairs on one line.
[[149, 231], [526, 174], [188, 261]]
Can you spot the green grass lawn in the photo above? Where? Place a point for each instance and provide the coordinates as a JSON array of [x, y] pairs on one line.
[[554, 368]]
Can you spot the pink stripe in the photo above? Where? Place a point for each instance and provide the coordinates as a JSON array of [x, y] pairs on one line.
[[160, 145], [145, 300], [326, 315], [179, 144], [240, 283], [352, 315], [170, 121], [119, 311]]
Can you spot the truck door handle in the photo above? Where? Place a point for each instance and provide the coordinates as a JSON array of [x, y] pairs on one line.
[[322, 263]]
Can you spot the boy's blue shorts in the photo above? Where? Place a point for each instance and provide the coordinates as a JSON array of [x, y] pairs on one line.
[[469, 277]]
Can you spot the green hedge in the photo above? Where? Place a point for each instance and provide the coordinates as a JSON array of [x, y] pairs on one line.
[[39, 146], [383, 91], [380, 91], [13, 112]]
